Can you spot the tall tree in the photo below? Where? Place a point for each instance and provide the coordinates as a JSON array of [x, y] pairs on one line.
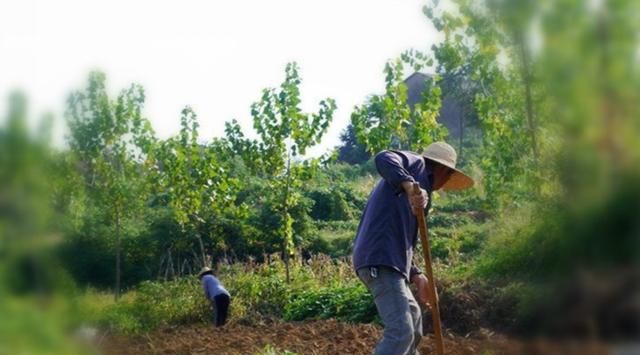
[[195, 181], [386, 121], [285, 133], [112, 142], [559, 84], [490, 43], [351, 151]]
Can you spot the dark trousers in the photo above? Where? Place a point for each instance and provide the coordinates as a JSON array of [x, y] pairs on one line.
[[221, 309]]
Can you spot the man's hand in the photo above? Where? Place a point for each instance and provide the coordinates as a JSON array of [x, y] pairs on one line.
[[422, 289], [416, 201]]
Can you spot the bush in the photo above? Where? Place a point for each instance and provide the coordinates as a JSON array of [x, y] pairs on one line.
[[348, 303], [333, 238], [330, 204], [464, 201], [155, 304], [543, 243], [257, 291], [458, 245], [30, 326], [446, 220]]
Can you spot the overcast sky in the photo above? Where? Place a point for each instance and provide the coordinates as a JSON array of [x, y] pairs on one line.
[[213, 55]]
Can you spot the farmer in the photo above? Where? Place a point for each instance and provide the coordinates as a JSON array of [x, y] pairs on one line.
[[217, 294], [387, 235]]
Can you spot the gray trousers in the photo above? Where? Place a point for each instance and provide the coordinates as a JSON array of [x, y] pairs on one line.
[[398, 309]]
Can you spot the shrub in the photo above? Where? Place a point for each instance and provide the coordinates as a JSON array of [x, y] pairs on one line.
[[555, 238], [257, 290], [155, 304], [348, 303]]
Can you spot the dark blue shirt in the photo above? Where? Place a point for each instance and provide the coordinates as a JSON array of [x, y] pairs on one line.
[[388, 230]]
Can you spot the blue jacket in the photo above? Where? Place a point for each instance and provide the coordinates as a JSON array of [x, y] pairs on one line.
[[388, 230], [212, 287]]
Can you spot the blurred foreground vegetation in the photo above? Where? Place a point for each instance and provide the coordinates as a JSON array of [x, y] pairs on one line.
[[548, 238]]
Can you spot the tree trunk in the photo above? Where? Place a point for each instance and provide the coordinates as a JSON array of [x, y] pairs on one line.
[[202, 253], [608, 96], [286, 262], [284, 218], [160, 266], [118, 247], [173, 271], [461, 131], [168, 265], [526, 79], [196, 260]]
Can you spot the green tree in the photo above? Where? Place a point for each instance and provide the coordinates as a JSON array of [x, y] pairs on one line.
[[558, 102], [195, 181], [386, 121], [351, 151], [285, 133], [112, 142], [489, 43]]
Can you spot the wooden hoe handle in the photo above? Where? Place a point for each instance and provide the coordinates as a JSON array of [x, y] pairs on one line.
[[426, 251]]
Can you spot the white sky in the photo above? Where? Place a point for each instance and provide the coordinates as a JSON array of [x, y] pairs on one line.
[[216, 56]]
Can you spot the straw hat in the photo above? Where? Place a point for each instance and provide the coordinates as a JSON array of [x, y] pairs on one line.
[[443, 153], [204, 270]]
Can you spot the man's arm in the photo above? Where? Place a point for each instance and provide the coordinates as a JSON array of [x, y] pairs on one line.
[[391, 167], [422, 289]]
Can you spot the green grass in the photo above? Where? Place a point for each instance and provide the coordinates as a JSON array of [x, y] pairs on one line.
[[150, 305], [351, 303], [258, 290]]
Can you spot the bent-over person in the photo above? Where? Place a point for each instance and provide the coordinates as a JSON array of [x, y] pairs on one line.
[[215, 292]]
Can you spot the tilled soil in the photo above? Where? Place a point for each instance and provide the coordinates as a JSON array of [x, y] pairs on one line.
[[318, 337]]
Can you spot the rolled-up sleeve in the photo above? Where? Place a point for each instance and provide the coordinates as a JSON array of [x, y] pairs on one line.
[[392, 167]]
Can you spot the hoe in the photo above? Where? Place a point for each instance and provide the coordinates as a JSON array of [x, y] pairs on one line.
[[426, 251]]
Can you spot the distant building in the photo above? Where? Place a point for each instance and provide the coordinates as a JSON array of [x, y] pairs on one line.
[[451, 110]]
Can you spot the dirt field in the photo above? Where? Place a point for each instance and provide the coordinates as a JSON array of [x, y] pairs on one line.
[[317, 337]]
